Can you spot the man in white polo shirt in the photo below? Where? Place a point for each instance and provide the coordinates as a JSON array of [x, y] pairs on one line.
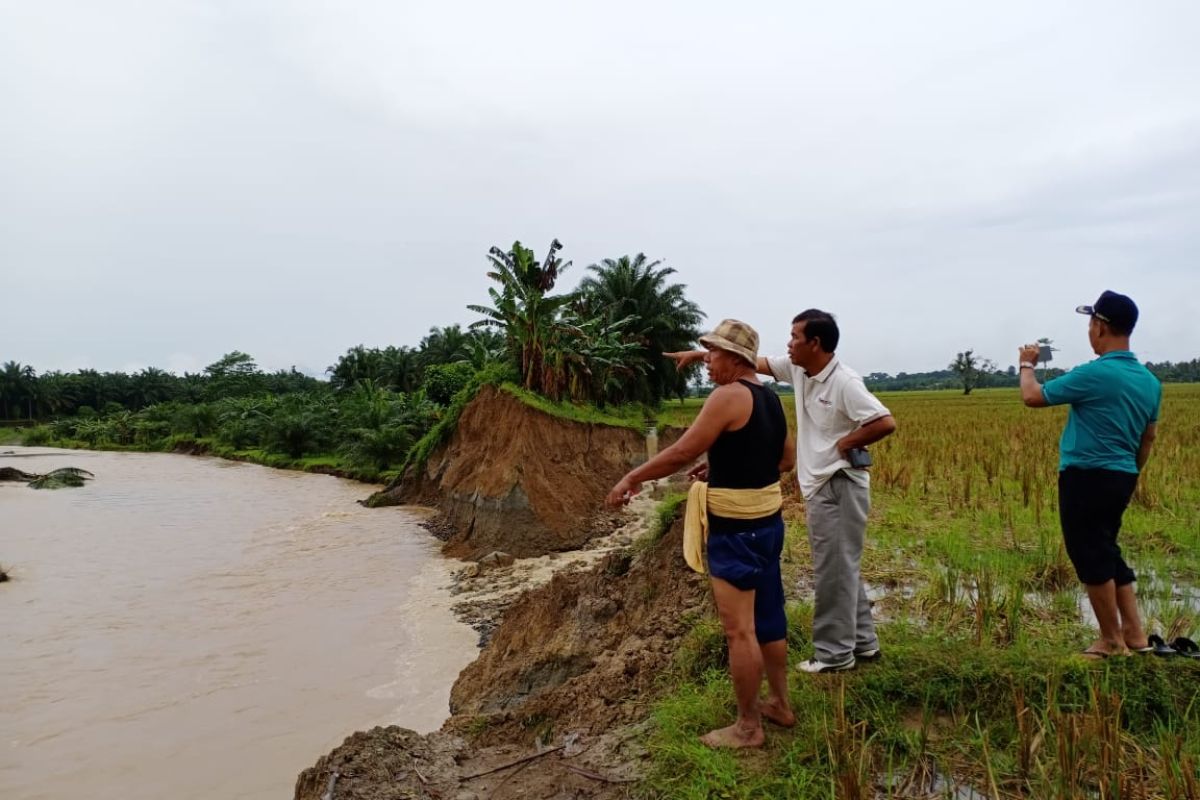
[[835, 418]]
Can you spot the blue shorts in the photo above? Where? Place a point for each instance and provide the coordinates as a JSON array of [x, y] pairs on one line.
[[749, 560]]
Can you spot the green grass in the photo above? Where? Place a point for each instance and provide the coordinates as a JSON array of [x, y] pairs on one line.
[[938, 699], [664, 515], [980, 620], [631, 416]]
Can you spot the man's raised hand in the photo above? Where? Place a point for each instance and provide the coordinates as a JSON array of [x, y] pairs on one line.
[[685, 358]]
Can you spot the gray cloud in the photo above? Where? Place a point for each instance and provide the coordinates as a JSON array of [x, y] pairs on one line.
[[180, 179]]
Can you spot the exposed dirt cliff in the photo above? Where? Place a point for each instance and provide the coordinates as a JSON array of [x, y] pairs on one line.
[[516, 479]]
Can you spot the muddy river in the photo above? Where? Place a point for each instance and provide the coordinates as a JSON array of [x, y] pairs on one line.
[[195, 628]]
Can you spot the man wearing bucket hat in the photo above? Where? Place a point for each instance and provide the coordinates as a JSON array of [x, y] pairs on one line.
[[737, 510], [836, 417], [1110, 428]]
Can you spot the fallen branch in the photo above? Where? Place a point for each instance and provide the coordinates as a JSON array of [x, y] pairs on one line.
[[66, 476], [596, 776], [512, 763]]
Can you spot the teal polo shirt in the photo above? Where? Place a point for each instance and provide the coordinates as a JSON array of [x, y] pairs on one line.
[[1112, 400]]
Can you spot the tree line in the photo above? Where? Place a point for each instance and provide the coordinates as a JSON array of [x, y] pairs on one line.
[[968, 372], [599, 344]]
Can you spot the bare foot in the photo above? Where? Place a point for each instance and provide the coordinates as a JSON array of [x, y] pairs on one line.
[[733, 737], [1101, 649], [777, 713]]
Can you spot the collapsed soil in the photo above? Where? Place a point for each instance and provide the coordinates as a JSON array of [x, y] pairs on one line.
[[516, 479]]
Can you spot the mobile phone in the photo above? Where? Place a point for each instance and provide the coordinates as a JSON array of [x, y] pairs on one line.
[[1045, 353], [858, 457]]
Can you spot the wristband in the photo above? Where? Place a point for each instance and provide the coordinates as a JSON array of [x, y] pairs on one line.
[[1028, 365]]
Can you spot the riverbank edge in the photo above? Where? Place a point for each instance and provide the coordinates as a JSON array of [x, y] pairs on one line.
[[320, 464]]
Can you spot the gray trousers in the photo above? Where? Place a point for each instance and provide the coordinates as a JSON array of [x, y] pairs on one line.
[[837, 524]]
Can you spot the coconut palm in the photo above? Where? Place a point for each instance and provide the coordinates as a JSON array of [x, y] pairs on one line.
[[664, 319]]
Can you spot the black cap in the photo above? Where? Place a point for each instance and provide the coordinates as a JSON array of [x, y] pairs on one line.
[[1115, 309]]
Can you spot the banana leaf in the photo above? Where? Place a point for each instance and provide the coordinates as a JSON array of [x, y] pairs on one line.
[[59, 478]]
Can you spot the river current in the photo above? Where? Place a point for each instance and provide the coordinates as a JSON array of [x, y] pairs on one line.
[[189, 627]]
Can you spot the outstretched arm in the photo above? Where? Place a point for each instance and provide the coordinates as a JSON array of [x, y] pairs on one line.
[[685, 358], [724, 406]]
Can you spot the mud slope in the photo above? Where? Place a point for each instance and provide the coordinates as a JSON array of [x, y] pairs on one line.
[[585, 651], [513, 478]]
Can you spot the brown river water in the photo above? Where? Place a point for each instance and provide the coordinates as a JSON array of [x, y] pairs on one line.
[[188, 627]]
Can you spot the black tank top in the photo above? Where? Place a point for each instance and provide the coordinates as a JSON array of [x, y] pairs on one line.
[[748, 458]]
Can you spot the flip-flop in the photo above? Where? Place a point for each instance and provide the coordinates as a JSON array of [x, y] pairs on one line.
[[1185, 647], [1095, 655], [1161, 648], [1142, 651]]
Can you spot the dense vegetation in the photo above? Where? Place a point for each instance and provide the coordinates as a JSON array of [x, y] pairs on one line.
[[600, 344]]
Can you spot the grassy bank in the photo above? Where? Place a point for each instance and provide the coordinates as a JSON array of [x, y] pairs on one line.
[[942, 710], [980, 617]]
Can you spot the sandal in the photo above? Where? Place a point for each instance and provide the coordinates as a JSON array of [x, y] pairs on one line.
[[1161, 648], [1095, 655], [1185, 647]]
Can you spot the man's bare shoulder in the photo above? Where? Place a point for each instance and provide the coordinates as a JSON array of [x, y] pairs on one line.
[[727, 393]]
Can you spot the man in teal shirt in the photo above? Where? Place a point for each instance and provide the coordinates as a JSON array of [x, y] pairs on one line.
[[1111, 426]]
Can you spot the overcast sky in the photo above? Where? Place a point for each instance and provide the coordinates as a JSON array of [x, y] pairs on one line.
[[292, 178]]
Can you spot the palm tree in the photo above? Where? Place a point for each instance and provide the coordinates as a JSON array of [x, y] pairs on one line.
[[17, 383], [152, 385], [58, 394], [358, 364], [447, 345], [664, 319], [523, 311], [400, 369]]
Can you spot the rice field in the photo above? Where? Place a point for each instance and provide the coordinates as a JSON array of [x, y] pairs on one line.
[[980, 693]]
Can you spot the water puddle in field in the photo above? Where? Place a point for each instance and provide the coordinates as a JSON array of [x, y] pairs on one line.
[[933, 785]]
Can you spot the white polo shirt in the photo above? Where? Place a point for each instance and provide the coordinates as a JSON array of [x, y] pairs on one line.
[[829, 405]]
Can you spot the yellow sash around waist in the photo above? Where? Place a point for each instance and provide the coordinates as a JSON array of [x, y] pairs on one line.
[[731, 503]]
